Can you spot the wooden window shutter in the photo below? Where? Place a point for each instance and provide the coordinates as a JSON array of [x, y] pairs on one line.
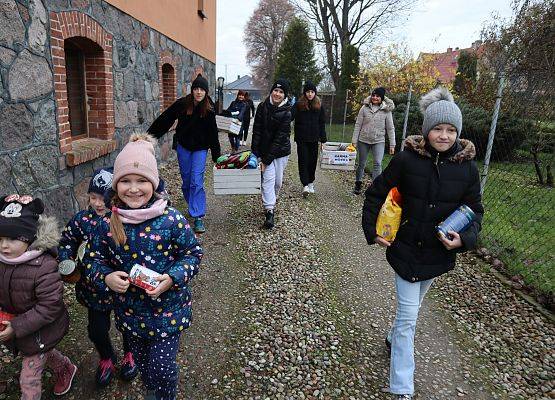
[[76, 97]]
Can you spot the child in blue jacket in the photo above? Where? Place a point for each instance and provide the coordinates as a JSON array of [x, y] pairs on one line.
[[79, 230], [145, 231]]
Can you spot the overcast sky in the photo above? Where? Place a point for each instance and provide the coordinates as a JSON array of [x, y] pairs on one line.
[[433, 26]]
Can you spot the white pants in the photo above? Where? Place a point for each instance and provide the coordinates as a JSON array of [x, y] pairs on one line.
[[272, 179]]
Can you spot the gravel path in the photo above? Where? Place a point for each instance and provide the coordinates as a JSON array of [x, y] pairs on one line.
[[300, 312]]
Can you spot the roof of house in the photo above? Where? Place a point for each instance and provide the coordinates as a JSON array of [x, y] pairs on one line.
[[243, 83], [446, 63]]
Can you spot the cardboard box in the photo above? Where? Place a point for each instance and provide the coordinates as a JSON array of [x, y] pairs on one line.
[[237, 181], [334, 158], [229, 125]]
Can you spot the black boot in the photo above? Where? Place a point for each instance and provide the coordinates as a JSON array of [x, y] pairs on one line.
[[269, 222], [358, 187]]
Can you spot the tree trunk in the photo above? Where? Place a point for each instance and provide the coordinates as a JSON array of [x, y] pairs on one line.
[[549, 173], [537, 165]]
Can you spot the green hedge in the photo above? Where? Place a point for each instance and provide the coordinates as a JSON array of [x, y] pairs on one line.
[[511, 132]]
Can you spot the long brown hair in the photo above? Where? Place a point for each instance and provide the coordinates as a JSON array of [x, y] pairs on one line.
[[205, 106], [116, 226], [241, 93], [306, 105]]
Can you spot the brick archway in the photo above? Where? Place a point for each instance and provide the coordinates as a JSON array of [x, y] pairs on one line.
[[99, 85], [167, 78]]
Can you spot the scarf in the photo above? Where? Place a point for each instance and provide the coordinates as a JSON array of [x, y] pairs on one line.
[[22, 259], [140, 215]]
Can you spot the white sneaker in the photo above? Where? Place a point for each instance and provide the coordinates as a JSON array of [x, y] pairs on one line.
[[311, 187], [306, 191], [242, 142]]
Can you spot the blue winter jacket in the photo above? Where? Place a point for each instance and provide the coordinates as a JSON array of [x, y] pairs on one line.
[[165, 244], [78, 231]]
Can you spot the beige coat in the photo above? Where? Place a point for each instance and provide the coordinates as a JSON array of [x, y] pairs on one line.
[[371, 126]]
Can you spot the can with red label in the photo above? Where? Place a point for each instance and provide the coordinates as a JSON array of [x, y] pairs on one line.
[[4, 316]]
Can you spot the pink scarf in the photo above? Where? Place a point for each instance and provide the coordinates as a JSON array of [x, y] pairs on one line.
[[141, 215], [22, 259]]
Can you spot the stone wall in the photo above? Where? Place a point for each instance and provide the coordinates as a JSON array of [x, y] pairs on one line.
[[30, 157]]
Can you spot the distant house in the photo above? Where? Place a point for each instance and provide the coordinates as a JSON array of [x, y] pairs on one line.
[[245, 83], [446, 63]]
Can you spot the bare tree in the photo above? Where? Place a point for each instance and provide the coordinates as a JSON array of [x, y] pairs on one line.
[[339, 23], [263, 36]]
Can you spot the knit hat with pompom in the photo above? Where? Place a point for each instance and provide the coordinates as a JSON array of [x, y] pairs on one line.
[[438, 107], [137, 157]]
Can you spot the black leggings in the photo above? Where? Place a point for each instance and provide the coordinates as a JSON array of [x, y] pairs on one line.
[[99, 334], [245, 128], [308, 158]]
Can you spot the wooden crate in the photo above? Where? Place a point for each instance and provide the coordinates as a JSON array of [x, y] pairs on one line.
[[237, 181], [332, 158]]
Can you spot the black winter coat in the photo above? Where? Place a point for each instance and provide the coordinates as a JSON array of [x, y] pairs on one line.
[[271, 131], [310, 126], [432, 186], [241, 106], [193, 132]]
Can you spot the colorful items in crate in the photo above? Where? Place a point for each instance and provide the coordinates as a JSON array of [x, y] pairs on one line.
[[4, 316], [389, 218], [241, 160]]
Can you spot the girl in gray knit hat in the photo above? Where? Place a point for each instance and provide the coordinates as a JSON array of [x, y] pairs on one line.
[[435, 174]]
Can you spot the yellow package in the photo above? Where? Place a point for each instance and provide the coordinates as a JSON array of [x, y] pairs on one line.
[[389, 217]]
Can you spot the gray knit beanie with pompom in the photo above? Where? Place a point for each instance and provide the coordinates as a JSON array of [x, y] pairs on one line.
[[438, 107]]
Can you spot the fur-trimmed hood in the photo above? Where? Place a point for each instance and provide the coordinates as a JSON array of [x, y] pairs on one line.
[[48, 234], [466, 152], [387, 103]]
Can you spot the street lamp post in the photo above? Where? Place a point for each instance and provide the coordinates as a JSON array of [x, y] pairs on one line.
[[220, 94]]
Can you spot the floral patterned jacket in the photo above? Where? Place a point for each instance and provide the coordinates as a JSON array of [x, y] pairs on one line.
[[164, 244], [77, 233]]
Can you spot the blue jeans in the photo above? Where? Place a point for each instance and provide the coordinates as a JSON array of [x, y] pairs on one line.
[[234, 140], [363, 150], [401, 368], [191, 166]]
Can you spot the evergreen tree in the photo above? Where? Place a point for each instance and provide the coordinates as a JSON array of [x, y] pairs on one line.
[[350, 61], [296, 57], [349, 68]]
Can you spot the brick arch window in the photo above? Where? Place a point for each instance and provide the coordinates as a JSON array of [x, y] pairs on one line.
[[169, 85], [167, 77], [82, 58]]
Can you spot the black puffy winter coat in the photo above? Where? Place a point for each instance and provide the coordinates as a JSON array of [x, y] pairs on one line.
[[310, 125], [271, 131], [193, 132], [432, 186]]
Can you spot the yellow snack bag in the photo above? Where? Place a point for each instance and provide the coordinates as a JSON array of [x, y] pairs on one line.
[[389, 217]]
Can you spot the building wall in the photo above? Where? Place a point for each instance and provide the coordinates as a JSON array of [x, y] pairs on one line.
[[178, 20], [33, 155]]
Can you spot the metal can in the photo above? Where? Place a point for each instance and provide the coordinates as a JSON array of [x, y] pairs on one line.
[[69, 271], [458, 221]]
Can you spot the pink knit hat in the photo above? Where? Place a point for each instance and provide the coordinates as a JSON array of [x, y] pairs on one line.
[[137, 157]]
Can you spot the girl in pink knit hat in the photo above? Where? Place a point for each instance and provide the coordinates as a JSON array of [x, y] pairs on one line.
[[146, 235]]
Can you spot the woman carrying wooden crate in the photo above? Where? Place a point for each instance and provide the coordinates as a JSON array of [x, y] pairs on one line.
[[271, 144], [196, 132]]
